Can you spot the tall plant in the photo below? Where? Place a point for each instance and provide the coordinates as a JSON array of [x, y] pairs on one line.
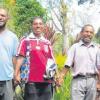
[[25, 11]]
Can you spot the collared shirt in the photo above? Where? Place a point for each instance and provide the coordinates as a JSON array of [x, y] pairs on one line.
[[39, 53], [8, 49], [82, 59]]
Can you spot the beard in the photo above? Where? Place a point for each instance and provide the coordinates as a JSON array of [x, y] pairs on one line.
[[2, 25], [86, 40]]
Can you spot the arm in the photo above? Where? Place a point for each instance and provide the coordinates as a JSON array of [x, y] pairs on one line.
[[17, 68], [61, 75], [21, 52], [99, 75], [64, 71], [14, 61], [68, 63], [98, 63], [15, 47]]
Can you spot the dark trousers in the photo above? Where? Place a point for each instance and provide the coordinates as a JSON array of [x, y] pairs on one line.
[[6, 91], [38, 91]]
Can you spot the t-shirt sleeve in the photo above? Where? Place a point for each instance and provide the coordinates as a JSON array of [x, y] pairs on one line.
[[15, 45], [70, 57], [50, 51], [22, 48]]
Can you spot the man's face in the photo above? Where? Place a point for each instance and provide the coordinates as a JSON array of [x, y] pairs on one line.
[[87, 34], [3, 17], [37, 26]]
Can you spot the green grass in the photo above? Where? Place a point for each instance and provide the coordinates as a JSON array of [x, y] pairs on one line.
[[63, 93]]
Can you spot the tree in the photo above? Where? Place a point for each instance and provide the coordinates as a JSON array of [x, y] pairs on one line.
[[9, 5], [58, 12], [25, 11], [22, 13], [97, 38]]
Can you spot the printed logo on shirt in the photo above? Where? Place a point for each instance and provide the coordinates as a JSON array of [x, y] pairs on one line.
[[38, 47], [46, 48]]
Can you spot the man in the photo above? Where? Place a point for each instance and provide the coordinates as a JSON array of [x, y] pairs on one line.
[[8, 48], [37, 87], [82, 58]]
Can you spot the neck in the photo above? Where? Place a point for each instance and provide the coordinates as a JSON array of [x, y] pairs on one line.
[[86, 43], [37, 35], [2, 29]]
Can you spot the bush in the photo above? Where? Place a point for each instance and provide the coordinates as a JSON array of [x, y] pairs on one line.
[[63, 93]]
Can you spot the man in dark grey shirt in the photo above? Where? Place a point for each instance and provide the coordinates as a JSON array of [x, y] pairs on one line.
[[82, 59]]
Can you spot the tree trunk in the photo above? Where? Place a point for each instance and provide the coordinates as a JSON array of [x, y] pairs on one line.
[[65, 45]]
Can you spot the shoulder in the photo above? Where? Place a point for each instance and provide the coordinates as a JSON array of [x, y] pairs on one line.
[[73, 48], [11, 34], [46, 41], [23, 39], [96, 46], [75, 45]]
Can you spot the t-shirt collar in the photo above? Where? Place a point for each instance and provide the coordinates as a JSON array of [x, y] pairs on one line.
[[82, 43], [31, 35]]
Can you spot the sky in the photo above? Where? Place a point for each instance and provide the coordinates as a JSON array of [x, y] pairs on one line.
[[81, 12]]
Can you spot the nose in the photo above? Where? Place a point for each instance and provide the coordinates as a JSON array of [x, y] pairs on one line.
[[38, 25], [89, 33]]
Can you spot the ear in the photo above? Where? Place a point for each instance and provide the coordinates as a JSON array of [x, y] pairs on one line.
[[81, 33]]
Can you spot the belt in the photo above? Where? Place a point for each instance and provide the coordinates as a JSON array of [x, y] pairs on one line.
[[37, 83], [5, 81], [1, 82], [85, 76]]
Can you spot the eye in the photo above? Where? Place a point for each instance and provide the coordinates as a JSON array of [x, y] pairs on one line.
[[2, 15], [34, 23], [89, 32]]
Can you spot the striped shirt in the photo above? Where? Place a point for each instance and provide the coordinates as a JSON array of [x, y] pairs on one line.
[[82, 59]]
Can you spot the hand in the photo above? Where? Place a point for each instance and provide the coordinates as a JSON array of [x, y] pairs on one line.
[[60, 76], [17, 78], [98, 85], [59, 81]]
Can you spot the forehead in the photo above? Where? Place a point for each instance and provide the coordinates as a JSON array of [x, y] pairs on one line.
[[3, 12], [37, 20], [88, 28]]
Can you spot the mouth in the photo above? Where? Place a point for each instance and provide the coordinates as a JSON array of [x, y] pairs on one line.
[[38, 30], [87, 40], [1, 22]]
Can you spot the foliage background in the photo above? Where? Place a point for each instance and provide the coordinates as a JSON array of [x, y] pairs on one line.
[[21, 15]]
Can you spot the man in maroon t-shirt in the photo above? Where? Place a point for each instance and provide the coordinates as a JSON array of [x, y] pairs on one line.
[[37, 87]]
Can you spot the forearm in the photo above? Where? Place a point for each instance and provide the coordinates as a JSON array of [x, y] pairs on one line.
[[64, 71], [14, 61], [61, 75], [99, 75], [19, 62]]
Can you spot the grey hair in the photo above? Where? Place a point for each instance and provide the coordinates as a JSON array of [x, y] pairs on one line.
[[83, 28]]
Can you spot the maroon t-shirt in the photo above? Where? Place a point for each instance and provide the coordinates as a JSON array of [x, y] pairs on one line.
[[40, 51]]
